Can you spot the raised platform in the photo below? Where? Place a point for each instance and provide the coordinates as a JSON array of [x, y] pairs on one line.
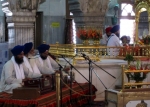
[[116, 98], [49, 100]]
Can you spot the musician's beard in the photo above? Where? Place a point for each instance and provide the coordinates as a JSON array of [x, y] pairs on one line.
[[43, 57], [18, 60]]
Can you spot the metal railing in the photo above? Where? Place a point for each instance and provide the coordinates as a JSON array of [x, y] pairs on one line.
[[97, 52]]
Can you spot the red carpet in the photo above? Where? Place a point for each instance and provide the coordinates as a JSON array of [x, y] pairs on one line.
[[49, 99]]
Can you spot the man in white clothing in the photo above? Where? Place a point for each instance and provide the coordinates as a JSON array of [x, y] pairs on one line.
[[105, 37], [44, 62], [114, 41], [29, 58], [14, 71]]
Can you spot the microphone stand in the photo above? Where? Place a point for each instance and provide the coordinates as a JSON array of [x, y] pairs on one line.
[[90, 76], [71, 76], [87, 58]]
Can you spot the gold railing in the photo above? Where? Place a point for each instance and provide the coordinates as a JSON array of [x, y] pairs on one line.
[[97, 52], [133, 84]]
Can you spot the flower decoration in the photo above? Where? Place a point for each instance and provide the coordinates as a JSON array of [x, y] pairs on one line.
[[138, 76], [89, 34], [94, 34], [82, 34], [146, 39], [129, 58]]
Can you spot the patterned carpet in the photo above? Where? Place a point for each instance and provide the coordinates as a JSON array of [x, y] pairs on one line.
[[96, 104]]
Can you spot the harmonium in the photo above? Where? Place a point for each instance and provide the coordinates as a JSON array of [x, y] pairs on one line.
[[33, 88], [44, 84]]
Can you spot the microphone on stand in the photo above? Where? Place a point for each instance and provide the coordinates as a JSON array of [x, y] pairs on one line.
[[86, 57]]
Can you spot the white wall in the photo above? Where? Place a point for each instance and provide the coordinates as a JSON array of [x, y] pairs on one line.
[[1, 12]]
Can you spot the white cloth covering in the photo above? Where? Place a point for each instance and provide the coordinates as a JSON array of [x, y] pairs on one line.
[[18, 69]]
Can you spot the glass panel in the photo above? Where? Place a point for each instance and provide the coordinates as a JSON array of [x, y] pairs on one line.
[[127, 28], [127, 8], [123, 5], [132, 13], [124, 13]]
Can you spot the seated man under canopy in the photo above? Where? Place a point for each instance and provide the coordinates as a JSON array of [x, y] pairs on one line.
[[14, 71]]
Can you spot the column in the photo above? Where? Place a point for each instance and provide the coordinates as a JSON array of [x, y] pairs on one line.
[[89, 13], [137, 28], [20, 19]]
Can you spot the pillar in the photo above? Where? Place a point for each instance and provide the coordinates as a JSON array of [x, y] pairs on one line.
[[20, 20], [89, 13]]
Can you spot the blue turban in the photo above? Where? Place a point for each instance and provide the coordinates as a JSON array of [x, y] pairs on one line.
[[115, 29], [28, 47], [17, 50], [43, 47]]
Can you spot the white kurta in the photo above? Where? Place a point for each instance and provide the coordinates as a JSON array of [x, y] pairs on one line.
[[31, 65], [104, 39], [8, 77], [113, 41], [45, 68]]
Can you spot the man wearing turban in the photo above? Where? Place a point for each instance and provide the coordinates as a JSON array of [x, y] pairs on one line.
[[44, 62], [124, 40], [106, 36], [29, 59], [13, 73], [113, 41]]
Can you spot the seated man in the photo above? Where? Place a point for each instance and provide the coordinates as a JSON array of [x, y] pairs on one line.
[[29, 58], [124, 40], [13, 73], [44, 62]]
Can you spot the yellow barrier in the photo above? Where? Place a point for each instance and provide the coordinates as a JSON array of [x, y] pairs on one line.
[[97, 52]]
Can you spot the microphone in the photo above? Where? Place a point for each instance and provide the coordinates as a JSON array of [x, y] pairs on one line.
[[85, 56], [82, 55]]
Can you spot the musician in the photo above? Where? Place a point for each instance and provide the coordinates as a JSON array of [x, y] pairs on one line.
[[44, 62], [29, 58], [13, 73]]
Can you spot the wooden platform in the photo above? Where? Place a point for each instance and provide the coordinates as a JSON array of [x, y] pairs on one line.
[[49, 100]]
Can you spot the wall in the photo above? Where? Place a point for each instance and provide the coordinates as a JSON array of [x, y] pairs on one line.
[[54, 11], [2, 25]]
